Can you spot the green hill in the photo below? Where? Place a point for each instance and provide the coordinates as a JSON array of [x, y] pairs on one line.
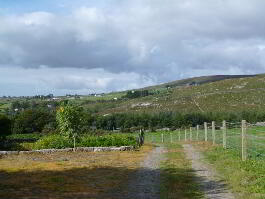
[[208, 94]]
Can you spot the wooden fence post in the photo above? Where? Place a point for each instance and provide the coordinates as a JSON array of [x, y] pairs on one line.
[[190, 133], [179, 134], [171, 139], [205, 132], [185, 135], [152, 139], [224, 134], [74, 143], [213, 131], [197, 136], [162, 137], [244, 140]]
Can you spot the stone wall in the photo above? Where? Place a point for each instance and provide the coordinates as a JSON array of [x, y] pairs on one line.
[[78, 149]]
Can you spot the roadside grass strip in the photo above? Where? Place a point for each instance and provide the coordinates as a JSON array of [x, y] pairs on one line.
[[246, 178]]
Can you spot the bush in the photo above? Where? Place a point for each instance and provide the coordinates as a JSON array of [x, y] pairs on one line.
[[53, 142], [108, 140], [33, 136], [60, 142]]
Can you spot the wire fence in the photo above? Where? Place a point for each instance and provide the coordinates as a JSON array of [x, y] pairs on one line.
[[245, 139]]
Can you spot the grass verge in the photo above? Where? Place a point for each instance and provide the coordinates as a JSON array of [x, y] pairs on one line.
[[247, 179], [178, 178]]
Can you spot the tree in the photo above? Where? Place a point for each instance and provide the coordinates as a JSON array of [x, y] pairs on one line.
[[30, 121], [69, 119], [5, 126]]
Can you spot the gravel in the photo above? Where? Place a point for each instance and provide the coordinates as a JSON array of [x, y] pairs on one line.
[[206, 176], [145, 182]]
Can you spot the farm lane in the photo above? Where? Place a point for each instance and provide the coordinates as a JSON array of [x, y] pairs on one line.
[[145, 182], [206, 176]]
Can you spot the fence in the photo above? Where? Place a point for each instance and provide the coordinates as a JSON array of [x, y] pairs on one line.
[[247, 140]]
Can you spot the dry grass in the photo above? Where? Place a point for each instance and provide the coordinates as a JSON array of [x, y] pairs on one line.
[[67, 175]]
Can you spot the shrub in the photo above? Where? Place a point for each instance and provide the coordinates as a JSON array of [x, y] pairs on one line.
[[108, 140], [34, 136], [53, 142]]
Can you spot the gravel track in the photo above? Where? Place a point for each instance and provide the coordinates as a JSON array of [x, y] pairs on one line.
[[206, 176], [146, 182]]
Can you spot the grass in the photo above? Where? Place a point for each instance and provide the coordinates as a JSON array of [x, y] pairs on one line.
[[246, 178], [68, 175], [178, 178]]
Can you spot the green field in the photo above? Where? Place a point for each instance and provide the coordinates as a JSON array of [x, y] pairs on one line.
[[255, 139]]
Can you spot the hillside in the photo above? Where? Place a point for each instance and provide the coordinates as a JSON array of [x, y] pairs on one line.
[[231, 94], [198, 81], [199, 94]]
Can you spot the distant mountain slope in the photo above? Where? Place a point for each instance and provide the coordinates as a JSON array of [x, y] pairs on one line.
[[208, 94], [198, 80]]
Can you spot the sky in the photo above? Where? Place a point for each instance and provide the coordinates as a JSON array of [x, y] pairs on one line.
[[87, 46]]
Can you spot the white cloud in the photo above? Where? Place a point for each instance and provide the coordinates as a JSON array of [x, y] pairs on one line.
[[66, 80], [152, 39]]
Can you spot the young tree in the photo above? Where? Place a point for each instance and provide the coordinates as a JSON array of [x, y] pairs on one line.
[[69, 119]]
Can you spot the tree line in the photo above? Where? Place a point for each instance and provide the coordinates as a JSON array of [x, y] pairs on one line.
[[43, 120]]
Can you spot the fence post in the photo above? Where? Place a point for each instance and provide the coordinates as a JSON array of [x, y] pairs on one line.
[[171, 139], [185, 135], [244, 140], [205, 131], [213, 131], [190, 133], [197, 136], [152, 139], [179, 134], [74, 143], [224, 134], [162, 137]]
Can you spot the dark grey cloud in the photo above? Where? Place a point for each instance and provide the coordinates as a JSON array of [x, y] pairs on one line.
[[158, 40]]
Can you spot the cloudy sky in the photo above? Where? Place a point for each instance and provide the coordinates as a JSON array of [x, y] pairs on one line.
[[84, 46]]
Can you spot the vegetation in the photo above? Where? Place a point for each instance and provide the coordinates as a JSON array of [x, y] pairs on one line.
[[246, 178], [30, 121], [137, 93], [60, 142], [53, 142], [108, 140], [69, 120], [5, 126]]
